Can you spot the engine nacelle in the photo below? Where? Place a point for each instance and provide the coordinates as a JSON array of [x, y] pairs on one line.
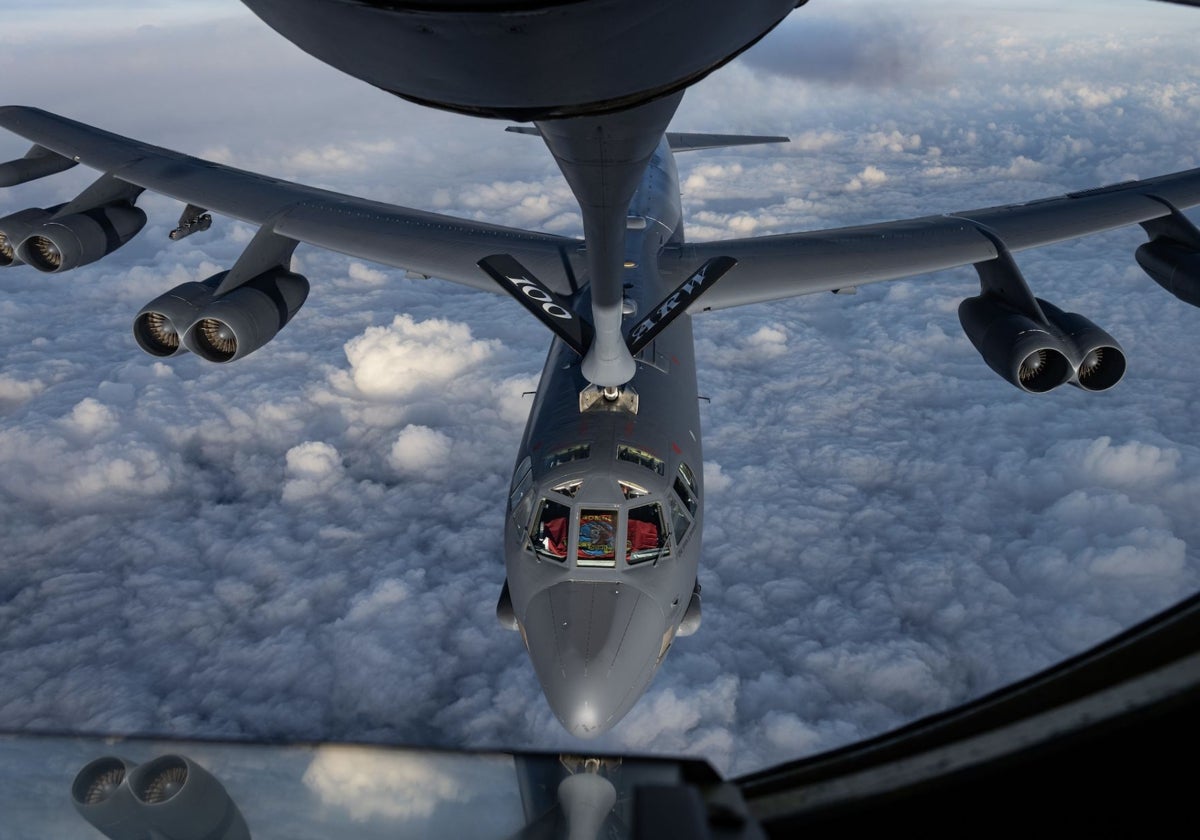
[[161, 323], [61, 244], [1096, 357], [37, 163], [1014, 345], [102, 797], [15, 227], [1173, 266], [238, 323], [181, 800], [171, 797]]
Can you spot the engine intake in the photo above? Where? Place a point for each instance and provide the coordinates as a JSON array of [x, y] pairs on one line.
[[101, 797], [170, 797], [60, 244], [1097, 358], [182, 800], [15, 227], [220, 329], [161, 323], [1018, 348], [238, 323], [1038, 356]]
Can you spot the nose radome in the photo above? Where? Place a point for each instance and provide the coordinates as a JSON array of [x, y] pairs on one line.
[[594, 647]]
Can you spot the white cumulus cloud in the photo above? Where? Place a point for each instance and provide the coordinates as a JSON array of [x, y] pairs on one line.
[[306, 544], [393, 361], [420, 449]]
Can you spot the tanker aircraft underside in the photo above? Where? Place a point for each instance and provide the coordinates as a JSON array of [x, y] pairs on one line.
[[604, 517]]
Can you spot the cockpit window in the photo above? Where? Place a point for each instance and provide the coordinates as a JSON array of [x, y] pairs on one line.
[[549, 534], [522, 480], [519, 499], [645, 537], [568, 454], [568, 488], [597, 538], [641, 456], [685, 486], [680, 521], [630, 490]]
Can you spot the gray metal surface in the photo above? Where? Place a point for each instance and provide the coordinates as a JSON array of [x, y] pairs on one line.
[[421, 242], [525, 59], [792, 264]]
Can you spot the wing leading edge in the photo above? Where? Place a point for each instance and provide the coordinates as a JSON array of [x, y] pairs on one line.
[[793, 264], [424, 243], [768, 267]]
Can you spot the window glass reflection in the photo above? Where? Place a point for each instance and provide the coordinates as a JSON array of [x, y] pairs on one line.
[[550, 530], [640, 456], [645, 537]]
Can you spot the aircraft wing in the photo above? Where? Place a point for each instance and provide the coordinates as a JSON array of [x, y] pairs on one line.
[[767, 267], [793, 264], [424, 243]]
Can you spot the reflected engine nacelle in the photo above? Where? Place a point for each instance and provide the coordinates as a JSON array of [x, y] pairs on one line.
[[1040, 356], [220, 328], [1173, 266], [170, 797], [66, 242]]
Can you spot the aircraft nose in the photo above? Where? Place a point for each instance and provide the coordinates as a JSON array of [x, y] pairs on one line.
[[594, 647]]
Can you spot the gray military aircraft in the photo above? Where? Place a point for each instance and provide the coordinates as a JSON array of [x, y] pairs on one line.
[[604, 517]]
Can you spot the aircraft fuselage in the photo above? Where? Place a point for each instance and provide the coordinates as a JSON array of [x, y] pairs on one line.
[[602, 529]]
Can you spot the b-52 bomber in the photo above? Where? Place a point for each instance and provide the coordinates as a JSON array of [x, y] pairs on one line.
[[603, 524]]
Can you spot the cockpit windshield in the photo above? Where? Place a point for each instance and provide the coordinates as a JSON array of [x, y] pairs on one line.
[[580, 521], [683, 508], [598, 530], [549, 533], [597, 537], [568, 454], [640, 456], [646, 535], [685, 487]]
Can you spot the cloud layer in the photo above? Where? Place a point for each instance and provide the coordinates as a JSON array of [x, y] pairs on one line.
[[306, 544]]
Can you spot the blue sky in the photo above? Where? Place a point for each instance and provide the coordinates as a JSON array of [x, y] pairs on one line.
[[255, 550]]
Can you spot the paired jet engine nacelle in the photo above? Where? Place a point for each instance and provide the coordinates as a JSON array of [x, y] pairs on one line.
[[66, 242], [220, 328], [1040, 354], [95, 223], [170, 797], [1173, 266]]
